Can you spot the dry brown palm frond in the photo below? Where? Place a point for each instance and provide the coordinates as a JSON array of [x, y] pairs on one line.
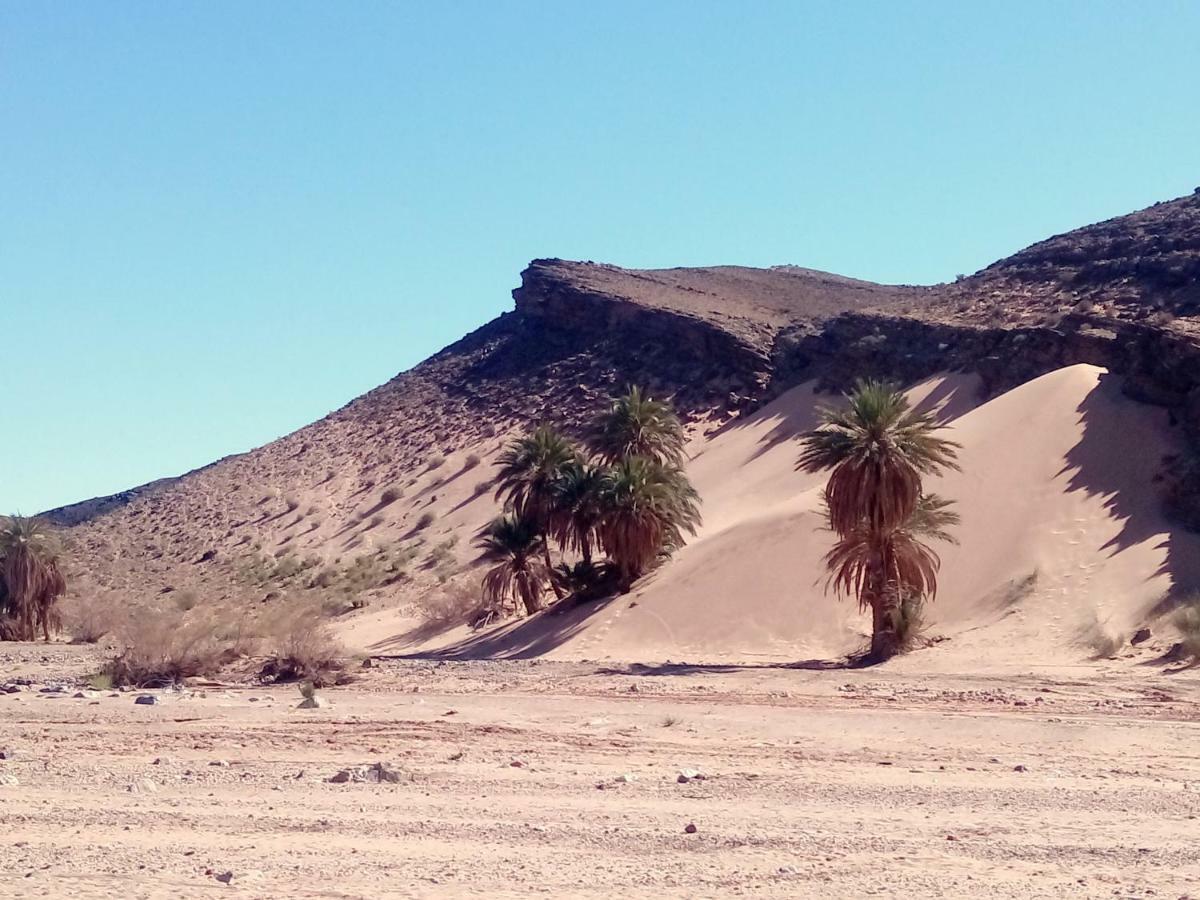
[[31, 576]]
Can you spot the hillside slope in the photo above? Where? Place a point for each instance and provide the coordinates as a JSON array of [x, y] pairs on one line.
[[378, 501]]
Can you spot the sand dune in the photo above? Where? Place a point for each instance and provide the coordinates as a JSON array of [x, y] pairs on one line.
[[1061, 531]]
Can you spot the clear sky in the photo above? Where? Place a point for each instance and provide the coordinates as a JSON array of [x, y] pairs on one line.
[[220, 221]]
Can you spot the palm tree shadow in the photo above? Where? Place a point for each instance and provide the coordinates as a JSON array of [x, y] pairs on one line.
[[526, 638], [669, 669]]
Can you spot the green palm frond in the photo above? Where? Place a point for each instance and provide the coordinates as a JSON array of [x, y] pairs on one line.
[[638, 425]]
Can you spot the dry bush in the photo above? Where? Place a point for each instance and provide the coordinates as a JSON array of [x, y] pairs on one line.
[[391, 495], [86, 621], [1187, 621], [472, 460], [301, 647], [909, 624], [458, 603], [1104, 641], [425, 520], [161, 648]]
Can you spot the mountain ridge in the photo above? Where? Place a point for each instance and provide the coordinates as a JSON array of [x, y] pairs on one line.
[[721, 341]]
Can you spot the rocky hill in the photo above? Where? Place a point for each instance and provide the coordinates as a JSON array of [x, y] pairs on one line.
[[367, 503]]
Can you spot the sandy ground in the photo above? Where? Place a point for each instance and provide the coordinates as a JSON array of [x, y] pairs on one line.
[[562, 779]]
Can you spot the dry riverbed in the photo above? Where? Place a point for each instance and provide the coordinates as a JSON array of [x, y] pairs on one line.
[[595, 780]]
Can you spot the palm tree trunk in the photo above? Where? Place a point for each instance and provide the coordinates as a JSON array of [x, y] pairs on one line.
[[585, 547], [550, 569], [882, 599]]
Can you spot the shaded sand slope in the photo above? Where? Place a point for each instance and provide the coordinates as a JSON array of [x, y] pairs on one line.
[[1061, 530]]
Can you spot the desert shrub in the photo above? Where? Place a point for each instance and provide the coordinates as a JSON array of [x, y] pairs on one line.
[[425, 520], [443, 552], [160, 649], [185, 600], [302, 648], [481, 488], [293, 502], [472, 460], [87, 621], [376, 521], [1104, 641], [908, 622], [456, 604], [1187, 621], [391, 495], [436, 462]]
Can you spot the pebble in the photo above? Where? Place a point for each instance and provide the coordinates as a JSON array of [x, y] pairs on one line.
[[690, 828], [689, 775], [146, 700]]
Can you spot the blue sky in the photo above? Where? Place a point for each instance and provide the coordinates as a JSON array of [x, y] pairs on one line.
[[222, 220]]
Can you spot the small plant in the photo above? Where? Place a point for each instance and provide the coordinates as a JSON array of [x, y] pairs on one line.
[[164, 649], [908, 622], [293, 503], [185, 600], [670, 721], [100, 681], [1104, 641], [1187, 621], [89, 621], [472, 460], [391, 495], [303, 648], [435, 462], [425, 520]]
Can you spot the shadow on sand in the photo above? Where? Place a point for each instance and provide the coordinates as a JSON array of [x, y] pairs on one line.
[[1100, 465]]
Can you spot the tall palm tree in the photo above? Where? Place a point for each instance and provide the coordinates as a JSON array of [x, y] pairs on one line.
[[578, 508], [878, 450], [529, 470], [513, 544], [647, 508], [638, 425], [30, 575]]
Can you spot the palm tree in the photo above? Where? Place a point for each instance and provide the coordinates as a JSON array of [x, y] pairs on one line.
[[638, 425], [647, 507], [577, 508], [513, 543], [30, 577], [530, 468], [878, 449]]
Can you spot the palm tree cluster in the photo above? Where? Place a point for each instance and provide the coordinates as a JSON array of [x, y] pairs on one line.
[[879, 449], [31, 580], [623, 494]]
